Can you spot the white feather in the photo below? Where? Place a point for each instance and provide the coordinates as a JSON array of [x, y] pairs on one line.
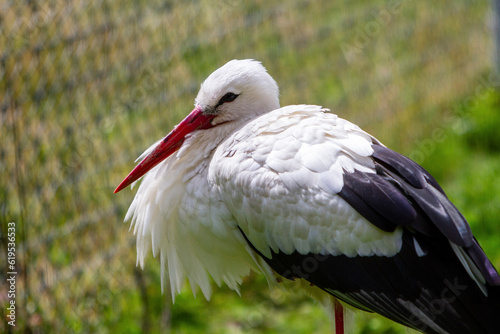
[[194, 233], [307, 184], [470, 267]]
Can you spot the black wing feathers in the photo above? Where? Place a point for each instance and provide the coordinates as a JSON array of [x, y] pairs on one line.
[[425, 286], [412, 190], [378, 201], [404, 180], [431, 293]]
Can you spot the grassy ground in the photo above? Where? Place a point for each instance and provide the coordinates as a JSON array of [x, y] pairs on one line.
[[85, 87]]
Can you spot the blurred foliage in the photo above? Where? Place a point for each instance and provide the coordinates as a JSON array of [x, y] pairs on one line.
[[86, 86], [483, 124], [466, 161]]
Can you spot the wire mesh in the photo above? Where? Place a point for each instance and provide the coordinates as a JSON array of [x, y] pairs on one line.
[[86, 86]]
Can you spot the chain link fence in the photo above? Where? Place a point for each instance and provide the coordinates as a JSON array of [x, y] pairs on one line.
[[86, 86]]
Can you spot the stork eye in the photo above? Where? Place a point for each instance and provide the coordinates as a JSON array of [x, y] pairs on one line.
[[229, 97]]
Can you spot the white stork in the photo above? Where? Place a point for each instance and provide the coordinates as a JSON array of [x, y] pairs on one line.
[[242, 184]]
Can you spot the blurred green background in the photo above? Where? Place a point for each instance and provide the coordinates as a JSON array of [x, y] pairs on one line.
[[86, 86]]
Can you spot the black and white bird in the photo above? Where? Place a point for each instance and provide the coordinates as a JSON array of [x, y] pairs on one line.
[[243, 184]]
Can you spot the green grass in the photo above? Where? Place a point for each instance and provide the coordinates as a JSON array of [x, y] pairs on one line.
[[86, 87]]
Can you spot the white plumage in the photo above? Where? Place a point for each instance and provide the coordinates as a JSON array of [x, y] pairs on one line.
[[279, 176], [176, 215]]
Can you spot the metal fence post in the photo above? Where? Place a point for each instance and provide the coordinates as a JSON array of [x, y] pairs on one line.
[[496, 35]]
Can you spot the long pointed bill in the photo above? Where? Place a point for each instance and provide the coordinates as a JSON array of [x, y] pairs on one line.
[[172, 142]]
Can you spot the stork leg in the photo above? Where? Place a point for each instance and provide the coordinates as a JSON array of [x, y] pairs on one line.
[[339, 317]]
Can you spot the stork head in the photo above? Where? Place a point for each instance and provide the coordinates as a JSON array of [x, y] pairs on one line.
[[236, 92]]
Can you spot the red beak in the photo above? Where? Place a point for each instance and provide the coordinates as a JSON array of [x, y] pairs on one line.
[[172, 142]]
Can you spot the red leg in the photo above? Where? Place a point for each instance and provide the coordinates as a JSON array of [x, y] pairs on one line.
[[339, 317]]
